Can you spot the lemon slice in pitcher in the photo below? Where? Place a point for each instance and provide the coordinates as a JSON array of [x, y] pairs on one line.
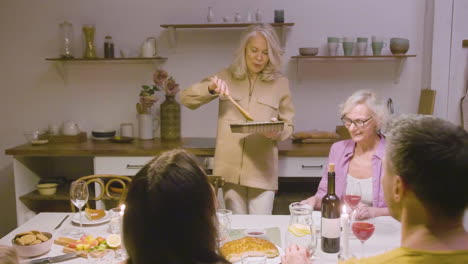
[[113, 241], [299, 230]]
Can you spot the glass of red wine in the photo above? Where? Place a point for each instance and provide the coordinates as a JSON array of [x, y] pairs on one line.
[[352, 196], [363, 230]]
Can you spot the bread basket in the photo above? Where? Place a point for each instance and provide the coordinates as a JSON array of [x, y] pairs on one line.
[[257, 127]]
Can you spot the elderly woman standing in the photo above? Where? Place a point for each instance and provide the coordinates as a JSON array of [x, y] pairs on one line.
[[360, 158], [248, 162]]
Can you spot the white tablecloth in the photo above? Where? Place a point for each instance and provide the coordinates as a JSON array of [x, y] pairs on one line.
[[386, 236]]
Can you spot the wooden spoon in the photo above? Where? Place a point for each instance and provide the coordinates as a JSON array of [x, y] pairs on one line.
[[241, 110]]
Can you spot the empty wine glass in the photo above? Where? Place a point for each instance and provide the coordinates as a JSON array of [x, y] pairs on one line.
[[79, 196], [363, 230]]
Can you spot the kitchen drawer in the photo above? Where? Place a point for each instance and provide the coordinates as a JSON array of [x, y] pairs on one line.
[[301, 166], [127, 166]]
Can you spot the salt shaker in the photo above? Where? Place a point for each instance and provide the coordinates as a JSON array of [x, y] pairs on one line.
[[258, 15], [210, 16]]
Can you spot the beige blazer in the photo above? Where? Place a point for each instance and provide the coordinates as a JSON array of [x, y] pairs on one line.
[[246, 159]]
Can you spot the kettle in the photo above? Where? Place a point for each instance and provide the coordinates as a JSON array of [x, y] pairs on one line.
[[148, 48]]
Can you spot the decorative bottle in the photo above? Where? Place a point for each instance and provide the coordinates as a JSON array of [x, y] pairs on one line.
[[258, 15], [170, 119], [210, 16], [108, 47], [90, 49], [66, 32]]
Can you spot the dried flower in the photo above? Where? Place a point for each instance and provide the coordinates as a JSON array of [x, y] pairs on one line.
[[163, 80]]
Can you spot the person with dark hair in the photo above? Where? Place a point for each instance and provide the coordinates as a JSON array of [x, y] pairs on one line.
[[425, 183], [170, 214]]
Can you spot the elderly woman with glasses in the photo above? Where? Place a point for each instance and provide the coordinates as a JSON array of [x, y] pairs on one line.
[[358, 161]]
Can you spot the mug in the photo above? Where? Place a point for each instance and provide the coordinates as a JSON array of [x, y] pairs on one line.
[[332, 45], [377, 44], [348, 45], [126, 130], [361, 46]]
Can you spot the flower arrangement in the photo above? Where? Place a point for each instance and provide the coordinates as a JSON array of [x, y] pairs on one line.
[[162, 81]]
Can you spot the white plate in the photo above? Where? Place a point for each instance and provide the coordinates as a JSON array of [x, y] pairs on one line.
[[86, 221], [276, 260]]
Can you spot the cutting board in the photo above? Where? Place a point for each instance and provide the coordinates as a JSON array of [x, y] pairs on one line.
[[426, 102]]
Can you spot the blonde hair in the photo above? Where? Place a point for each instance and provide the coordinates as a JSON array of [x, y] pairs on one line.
[[272, 70], [8, 255], [369, 99]]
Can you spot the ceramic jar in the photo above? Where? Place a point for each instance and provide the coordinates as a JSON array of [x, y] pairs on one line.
[[399, 46], [170, 119]]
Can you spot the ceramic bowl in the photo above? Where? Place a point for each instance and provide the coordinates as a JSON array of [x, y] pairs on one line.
[[29, 251], [255, 232], [308, 51], [103, 133], [399, 46], [47, 188]]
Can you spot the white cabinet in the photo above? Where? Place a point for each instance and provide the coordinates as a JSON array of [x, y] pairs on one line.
[[301, 166], [127, 166]]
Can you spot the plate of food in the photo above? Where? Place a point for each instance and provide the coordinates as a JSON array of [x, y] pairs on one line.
[[234, 250], [92, 217]]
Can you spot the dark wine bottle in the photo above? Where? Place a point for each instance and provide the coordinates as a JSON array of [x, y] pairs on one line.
[[330, 224]]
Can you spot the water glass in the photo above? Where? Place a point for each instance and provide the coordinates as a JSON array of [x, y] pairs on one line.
[[115, 222], [224, 224]]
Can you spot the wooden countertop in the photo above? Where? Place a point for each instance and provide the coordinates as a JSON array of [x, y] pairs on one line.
[[197, 146]]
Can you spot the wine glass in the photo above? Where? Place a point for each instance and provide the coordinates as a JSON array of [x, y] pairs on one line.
[[352, 195], [79, 196], [363, 230]]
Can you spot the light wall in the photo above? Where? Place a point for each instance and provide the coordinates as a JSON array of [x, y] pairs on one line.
[[101, 95]]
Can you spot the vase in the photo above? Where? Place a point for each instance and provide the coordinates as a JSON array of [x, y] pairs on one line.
[[90, 49], [170, 119]]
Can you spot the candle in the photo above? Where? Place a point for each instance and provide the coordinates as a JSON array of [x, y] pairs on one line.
[[345, 230], [122, 210]]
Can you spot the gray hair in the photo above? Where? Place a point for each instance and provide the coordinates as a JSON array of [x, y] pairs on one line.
[[368, 98], [431, 156], [272, 70]]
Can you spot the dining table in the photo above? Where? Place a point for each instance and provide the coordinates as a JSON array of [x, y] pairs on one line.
[[386, 236]]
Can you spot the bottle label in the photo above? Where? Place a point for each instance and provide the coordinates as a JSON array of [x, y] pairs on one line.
[[330, 227]]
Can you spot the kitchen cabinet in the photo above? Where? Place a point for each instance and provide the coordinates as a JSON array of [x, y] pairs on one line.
[[400, 61], [74, 160], [61, 63], [173, 38]]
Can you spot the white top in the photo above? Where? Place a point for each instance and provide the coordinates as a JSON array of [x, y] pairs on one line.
[[366, 188]]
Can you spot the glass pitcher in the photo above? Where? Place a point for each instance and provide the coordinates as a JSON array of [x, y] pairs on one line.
[[301, 229]]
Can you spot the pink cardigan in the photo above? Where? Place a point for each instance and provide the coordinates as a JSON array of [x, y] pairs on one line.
[[341, 153]]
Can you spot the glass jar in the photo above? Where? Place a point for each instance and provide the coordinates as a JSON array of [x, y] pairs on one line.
[[66, 36], [301, 229], [170, 119], [108, 47], [90, 49]]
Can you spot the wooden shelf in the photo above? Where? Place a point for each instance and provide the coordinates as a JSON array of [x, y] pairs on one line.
[[172, 29], [401, 59], [221, 25], [61, 63], [133, 59], [353, 57]]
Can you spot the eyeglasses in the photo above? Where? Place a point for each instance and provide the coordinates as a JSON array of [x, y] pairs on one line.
[[357, 123]]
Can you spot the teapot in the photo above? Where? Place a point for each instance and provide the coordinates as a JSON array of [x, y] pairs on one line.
[[70, 128], [148, 48]]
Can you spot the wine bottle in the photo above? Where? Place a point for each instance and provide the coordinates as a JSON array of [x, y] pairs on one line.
[[330, 216]]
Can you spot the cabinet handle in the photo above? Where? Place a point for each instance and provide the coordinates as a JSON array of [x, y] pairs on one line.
[[134, 167], [312, 166]]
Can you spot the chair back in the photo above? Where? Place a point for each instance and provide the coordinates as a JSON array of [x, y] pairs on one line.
[[108, 192]]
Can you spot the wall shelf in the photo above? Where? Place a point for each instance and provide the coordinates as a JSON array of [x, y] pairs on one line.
[[172, 29], [61, 63], [401, 59]]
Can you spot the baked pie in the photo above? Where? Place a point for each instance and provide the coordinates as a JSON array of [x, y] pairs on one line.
[[92, 214], [233, 250]]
